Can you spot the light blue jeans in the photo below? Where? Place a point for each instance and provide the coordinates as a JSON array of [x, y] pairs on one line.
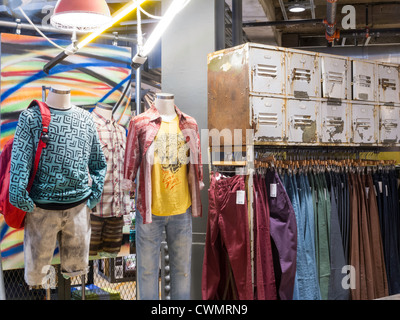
[[178, 230]]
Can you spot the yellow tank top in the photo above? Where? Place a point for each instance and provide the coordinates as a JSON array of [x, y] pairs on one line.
[[170, 188]]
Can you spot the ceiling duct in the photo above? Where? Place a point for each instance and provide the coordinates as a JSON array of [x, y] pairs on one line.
[[331, 33]]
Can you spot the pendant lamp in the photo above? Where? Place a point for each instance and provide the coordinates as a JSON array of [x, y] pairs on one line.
[[80, 15]]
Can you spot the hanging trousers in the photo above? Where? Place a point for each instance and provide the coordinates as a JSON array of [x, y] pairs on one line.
[[337, 259], [265, 288], [343, 211], [309, 235], [283, 235], [227, 265], [306, 284], [385, 192], [322, 226], [378, 260]]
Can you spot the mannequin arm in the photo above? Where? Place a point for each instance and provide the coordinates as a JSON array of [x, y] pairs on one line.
[[21, 162], [132, 157]]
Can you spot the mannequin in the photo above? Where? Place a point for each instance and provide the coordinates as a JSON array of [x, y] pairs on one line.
[[60, 199], [107, 217], [165, 105], [59, 97], [168, 194]]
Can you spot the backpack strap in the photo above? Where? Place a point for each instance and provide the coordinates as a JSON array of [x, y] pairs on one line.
[[44, 138]]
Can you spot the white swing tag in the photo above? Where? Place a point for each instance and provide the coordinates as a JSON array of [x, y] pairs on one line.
[[240, 197], [272, 190]]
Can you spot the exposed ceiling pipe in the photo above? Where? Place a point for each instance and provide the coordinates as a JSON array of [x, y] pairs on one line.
[[331, 33], [282, 22]]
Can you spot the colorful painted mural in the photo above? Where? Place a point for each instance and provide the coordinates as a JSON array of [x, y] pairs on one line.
[[97, 73]]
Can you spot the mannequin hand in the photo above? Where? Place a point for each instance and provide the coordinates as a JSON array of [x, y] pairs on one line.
[[201, 183]]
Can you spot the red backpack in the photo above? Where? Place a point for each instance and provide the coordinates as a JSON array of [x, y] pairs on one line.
[[13, 216]]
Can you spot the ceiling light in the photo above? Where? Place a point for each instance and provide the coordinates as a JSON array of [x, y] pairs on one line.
[[297, 6], [74, 47], [80, 15]]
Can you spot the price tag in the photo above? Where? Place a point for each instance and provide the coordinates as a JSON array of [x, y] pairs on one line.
[[240, 197], [272, 190]]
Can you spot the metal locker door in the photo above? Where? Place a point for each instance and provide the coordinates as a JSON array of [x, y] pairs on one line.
[[363, 117], [267, 71], [301, 121], [268, 117], [363, 80], [334, 123], [388, 83], [303, 79], [334, 77], [389, 124]]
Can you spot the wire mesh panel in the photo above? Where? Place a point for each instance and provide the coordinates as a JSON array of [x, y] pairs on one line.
[[108, 279]]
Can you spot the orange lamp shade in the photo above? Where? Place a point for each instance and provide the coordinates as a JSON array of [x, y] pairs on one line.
[[82, 15]]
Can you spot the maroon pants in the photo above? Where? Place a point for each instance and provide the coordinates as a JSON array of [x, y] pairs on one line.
[[265, 288], [227, 264]]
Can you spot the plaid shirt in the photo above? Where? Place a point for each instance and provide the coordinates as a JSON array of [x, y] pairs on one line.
[[114, 202], [140, 153]]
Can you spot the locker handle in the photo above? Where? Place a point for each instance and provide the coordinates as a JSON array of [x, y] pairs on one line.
[[362, 123], [334, 123], [390, 124], [387, 83]]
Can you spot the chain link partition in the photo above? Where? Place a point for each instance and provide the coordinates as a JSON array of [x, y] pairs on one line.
[[108, 279]]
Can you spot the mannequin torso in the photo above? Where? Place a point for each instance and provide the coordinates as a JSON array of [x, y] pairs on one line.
[[104, 110], [165, 105], [59, 97]]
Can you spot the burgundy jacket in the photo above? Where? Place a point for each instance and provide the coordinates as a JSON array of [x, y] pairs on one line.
[[139, 152]]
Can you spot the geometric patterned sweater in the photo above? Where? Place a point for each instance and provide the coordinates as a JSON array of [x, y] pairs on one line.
[[73, 152]]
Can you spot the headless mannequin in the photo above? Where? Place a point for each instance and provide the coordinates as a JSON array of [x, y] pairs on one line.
[[165, 104], [104, 110], [59, 97]]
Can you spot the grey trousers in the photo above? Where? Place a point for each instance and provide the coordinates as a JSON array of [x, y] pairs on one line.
[[43, 228]]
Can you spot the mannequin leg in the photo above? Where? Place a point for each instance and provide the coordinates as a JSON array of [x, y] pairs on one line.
[[148, 243], [74, 240], [40, 240], [179, 240]]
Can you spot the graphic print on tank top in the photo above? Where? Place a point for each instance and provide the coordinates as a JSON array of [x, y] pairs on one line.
[[170, 189], [171, 153]]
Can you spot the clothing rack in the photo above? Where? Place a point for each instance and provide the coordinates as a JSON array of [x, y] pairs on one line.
[[262, 157]]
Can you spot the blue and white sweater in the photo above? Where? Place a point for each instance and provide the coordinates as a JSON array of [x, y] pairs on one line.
[[73, 152]]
